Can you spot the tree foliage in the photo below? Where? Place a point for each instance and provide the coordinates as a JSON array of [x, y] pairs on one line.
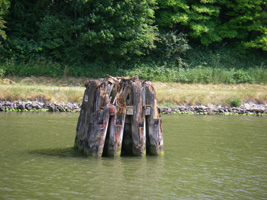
[[200, 19], [86, 29], [4, 5], [215, 20], [247, 20], [124, 31], [119, 28]]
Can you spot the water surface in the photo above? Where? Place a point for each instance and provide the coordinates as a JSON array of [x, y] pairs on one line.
[[206, 157]]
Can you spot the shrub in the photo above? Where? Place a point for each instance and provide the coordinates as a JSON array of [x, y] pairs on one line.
[[2, 72], [241, 76], [171, 47], [236, 102]]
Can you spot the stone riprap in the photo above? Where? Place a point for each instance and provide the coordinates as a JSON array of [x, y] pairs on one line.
[[38, 106], [244, 109]]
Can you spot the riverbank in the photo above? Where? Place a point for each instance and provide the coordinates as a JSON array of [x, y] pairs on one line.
[[69, 89], [35, 106], [65, 94]]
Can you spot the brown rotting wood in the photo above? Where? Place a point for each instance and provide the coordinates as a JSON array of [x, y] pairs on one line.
[[121, 113]]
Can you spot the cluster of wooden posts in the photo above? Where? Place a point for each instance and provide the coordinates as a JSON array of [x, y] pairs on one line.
[[119, 116]]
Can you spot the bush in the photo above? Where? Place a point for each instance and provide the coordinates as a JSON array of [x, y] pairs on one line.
[[171, 48], [20, 49], [236, 102], [2, 72], [224, 56]]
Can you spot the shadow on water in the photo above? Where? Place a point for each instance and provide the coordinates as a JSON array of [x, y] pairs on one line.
[[59, 152]]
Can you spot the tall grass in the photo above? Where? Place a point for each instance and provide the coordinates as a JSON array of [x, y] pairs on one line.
[[46, 67], [200, 74], [210, 65]]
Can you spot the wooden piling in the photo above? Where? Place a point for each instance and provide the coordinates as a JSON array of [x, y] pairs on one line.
[[119, 115], [154, 127]]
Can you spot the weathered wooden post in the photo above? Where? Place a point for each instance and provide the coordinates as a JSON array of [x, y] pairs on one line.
[[119, 116]]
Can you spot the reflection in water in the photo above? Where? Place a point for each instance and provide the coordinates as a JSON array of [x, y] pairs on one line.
[[60, 152], [206, 157]]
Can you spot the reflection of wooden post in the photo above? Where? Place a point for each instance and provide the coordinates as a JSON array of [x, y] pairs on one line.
[[117, 116]]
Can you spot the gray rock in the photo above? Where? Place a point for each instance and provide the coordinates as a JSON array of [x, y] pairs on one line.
[[70, 106], [1, 107], [52, 107], [7, 103], [28, 106], [21, 106], [36, 105], [46, 105], [181, 108], [60, 108]]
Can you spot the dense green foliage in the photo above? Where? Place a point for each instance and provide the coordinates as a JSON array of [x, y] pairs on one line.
[[214, 20], [207, 41], [4, 4], [218, 68], [77, 31], [198, 18], [248, 21]]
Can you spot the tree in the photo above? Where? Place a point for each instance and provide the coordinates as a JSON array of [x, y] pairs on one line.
[[247, 20], [4, 4], [85, 29], [120, 29], [199, 19], [211, 21], [24, 16]]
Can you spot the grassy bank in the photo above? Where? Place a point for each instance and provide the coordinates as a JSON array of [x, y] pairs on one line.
[[205, 94], [199, 74], [168, 94], [202, 75], [215, 64]]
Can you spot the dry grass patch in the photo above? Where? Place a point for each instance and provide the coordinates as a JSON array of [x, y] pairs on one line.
[[200, 94], [48, 81], [70, 89], [41, 92]]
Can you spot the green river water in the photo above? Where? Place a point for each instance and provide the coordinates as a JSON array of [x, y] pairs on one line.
[[206, 157]]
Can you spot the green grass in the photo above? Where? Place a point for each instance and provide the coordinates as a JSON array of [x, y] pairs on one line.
[[202, 75], [46, 67], [221, 64], [196, 75]]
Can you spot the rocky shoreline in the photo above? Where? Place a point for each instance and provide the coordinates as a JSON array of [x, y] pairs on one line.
[[7, 106], [244, 109]]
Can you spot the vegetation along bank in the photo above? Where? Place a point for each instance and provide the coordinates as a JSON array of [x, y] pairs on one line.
[[207, 41], [65, 95], [206, 52]]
